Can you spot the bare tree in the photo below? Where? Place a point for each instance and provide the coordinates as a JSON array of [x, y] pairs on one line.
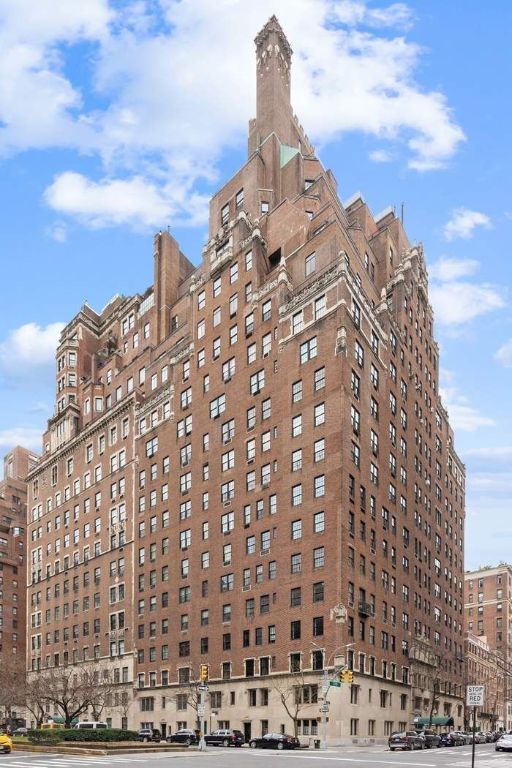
[[436, 678], [75, 689], [193, 695], [34, 697], [12, 689], [295, 694]]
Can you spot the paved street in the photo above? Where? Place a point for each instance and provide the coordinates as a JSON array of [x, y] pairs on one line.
[[357, 757]]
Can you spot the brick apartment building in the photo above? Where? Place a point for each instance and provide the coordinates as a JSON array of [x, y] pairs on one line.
[[488, 615], [13, 574], [485, 666], [248, 445]]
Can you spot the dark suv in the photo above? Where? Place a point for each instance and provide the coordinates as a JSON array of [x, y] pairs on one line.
[[185, 736], [432, 739], [225, 737], [150, 734]]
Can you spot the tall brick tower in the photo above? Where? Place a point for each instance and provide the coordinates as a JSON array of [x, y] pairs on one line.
[[249, 467]]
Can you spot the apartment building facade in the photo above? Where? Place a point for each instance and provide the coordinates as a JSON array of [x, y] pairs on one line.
[[13, 545], [485, 666], [250, 467], [488, 615]]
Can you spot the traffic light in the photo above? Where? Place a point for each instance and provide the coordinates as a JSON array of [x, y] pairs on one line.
[[203, 672], [347, 676]]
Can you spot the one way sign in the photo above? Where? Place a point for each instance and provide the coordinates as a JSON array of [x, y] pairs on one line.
[[475, 695]]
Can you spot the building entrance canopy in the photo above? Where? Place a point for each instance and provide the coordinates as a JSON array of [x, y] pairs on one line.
[[433, 721]]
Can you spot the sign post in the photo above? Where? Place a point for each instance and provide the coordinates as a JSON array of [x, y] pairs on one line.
[[325, 707], [202, 687], [474, 698]]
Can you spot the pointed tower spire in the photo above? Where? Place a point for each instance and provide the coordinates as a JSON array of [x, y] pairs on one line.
[[273, 65]]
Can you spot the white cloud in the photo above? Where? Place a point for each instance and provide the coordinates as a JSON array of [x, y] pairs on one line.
[[466, 418], [40, 407], [28, 437], [29, 346], [453, 269], [492, 482], [133, 201], [504, 354], [39, 106], [380, 156], [493, 453], [353, 12], [463, 415], [171, 85], [58, 231], [456, 303], [463, 222]]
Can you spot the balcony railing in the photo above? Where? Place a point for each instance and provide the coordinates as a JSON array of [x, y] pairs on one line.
[[366, 610]]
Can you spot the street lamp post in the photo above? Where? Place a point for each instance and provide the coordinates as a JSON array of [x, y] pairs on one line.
[[325, 707], [326, 684]]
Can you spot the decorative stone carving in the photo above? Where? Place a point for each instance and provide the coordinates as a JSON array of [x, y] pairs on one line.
[[324, 280], [164, 394]]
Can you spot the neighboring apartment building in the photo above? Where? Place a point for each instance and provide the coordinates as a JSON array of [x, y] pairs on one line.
[[488, 614], [485, 666], [247, 446], [13, 540]]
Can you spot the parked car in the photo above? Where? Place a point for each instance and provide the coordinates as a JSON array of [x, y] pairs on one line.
[[20, 732], [184, 736], [225, 737], [91, 725], [504, 743], [480, 737], [406, 740], [150, 734], [432, 739], [5, 743], [452, 739], [275, 741]]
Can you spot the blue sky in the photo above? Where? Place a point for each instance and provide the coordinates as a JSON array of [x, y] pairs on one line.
[[119, 118]]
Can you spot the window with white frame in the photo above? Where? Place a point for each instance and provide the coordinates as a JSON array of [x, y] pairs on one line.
[[308, 350]]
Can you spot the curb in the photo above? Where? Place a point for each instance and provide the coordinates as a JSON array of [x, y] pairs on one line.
[[61, 750]]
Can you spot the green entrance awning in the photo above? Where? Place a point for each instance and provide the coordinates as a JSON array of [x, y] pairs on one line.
[[434, 721]]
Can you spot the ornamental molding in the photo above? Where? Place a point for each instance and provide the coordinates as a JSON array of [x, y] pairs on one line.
[[147, 405], [264, 290], [328, 277]]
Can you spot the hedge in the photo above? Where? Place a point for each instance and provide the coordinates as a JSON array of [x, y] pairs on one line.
[[79, 734], [44, 737]]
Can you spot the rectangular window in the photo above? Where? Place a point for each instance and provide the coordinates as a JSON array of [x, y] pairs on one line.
[[308, 350], [257, 382], [310, 264], [320, 307]]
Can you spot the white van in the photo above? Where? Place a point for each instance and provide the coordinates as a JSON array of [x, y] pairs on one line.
[[91, 725]]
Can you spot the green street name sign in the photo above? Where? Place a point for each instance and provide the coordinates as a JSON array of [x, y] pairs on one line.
[[335, 683]]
